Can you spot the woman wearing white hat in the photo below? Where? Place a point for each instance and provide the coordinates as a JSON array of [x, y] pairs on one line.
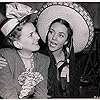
[[66, 28], [25, 75]]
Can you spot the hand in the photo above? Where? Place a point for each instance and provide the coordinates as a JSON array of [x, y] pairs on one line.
[[96, 97], [3, 62], [48, 96]]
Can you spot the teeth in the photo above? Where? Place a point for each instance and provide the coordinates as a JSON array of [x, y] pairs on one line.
[[53, 44], [35, 42]]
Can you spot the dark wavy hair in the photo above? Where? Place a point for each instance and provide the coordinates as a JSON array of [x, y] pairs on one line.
[[53, 83]]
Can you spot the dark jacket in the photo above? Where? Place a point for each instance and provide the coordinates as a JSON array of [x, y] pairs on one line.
[[9, 86]]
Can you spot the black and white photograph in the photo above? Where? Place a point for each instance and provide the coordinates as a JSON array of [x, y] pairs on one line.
[[49, 50]]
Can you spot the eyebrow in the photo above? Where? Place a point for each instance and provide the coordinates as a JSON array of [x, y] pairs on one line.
[[62, 33], [29, 33], [33, 32], [52, 29], [59, 32]]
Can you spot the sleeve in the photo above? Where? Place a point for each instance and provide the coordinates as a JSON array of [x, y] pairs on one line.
[[41, 88], [7, 89]]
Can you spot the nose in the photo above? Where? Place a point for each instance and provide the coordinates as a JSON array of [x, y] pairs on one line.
[[36, 36], [54, 37]]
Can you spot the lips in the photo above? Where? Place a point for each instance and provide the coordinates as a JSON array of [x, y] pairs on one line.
[[53, 44], [36, 43]]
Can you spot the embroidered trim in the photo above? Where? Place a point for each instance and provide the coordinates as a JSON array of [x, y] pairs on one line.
[[28, 80]]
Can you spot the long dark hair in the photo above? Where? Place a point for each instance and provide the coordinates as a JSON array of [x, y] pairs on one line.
[[53, 83]]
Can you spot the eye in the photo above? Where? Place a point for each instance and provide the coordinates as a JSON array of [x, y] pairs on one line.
[[51, 32], [61, 35], [31, 34]]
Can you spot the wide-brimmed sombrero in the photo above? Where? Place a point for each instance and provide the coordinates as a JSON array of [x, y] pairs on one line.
[[74, 14]]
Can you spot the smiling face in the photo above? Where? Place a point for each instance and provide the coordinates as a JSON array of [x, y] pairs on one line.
[[57, 36], [29, 38]]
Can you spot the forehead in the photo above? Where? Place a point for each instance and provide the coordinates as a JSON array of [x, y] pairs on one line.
[[28, 26], [58, 26]]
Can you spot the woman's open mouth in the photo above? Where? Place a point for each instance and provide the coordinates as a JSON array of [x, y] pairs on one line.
[[53, 44]]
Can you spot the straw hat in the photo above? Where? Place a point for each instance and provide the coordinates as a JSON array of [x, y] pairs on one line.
[[15, 13], [75, 15]]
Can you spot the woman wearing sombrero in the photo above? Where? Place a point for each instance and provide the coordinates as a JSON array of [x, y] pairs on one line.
[[66, 28]]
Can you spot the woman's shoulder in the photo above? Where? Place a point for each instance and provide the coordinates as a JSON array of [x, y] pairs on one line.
[[7, 52], [3, 50], [42, 56], [7, 49], [42, 62]]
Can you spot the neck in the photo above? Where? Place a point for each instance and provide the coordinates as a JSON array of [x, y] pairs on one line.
[[59, 55], [25, 54]]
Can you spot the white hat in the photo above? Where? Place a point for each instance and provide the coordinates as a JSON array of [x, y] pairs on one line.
[[15, 12], [75, 15]]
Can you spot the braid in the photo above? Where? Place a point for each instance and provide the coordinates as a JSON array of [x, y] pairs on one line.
[[67, 50]]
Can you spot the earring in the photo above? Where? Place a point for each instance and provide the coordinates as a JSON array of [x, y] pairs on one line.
[[68, 61], [67, 49]]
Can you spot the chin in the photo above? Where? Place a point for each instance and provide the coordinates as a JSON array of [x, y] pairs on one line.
[[52, 49], [36, 48]]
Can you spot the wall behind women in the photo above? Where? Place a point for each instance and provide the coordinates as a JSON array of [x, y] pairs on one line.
[[94, 10], [2, 11], [92, 7]]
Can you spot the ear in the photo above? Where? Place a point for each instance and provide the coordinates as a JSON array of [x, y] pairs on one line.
[[17, 44]]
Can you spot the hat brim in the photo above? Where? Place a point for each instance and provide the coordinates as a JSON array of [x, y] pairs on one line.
[[75, 15], [11, 24]]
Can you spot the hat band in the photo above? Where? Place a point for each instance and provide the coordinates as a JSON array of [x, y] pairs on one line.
[[9, 26]]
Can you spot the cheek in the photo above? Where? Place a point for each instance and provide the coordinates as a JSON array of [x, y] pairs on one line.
[[26, 42], [29, 42], [49, 37], [61, 43]]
